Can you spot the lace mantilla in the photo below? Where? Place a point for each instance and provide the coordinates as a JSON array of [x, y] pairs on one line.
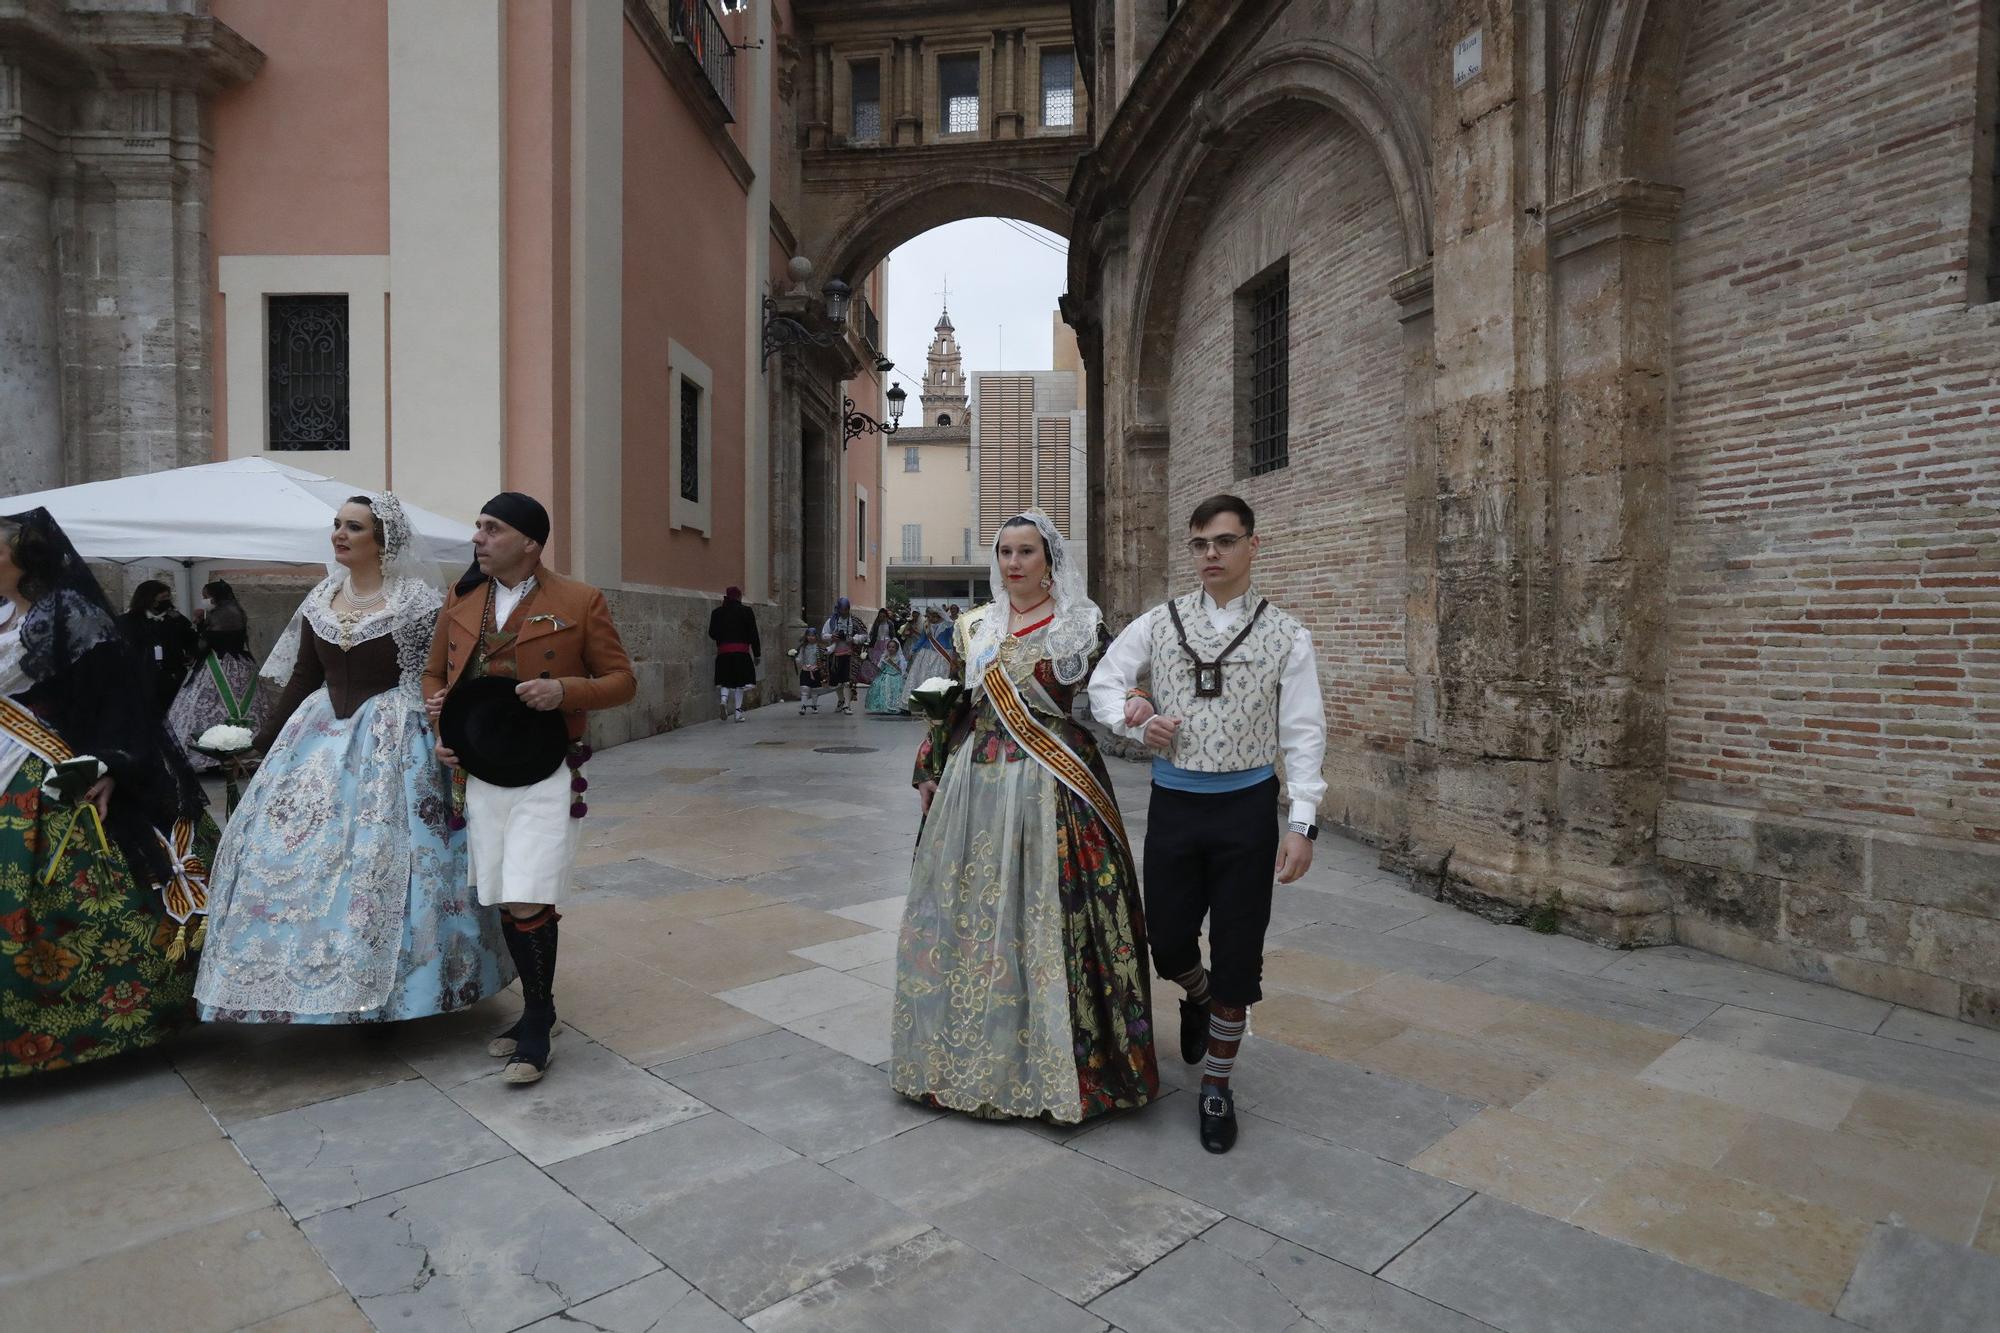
[[1071, 636], [60, 628], [409, 610]]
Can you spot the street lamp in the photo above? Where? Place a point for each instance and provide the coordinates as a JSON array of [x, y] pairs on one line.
[[782, 331], [856, 423]]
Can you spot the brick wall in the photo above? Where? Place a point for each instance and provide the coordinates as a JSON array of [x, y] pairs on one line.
[[1834, 640], [1331, 521]]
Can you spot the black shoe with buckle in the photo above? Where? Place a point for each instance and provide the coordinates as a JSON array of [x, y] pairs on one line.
[[1194, 1031], [1218, 1119]]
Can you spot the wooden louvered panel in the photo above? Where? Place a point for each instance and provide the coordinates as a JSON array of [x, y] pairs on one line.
[[1052, 446], [1006, 450]]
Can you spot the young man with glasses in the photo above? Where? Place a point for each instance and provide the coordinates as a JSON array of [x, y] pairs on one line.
[[1234, 687]]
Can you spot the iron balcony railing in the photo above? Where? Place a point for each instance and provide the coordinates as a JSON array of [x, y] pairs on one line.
[[698, 27]]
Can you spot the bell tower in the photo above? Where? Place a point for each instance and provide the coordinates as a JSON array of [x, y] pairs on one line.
[[944, 401]]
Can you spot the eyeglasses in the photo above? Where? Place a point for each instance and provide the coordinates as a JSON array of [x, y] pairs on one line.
[[1223, 545]]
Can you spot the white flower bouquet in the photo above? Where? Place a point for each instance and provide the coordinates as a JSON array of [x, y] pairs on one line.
[[937, 697], [223, 739]]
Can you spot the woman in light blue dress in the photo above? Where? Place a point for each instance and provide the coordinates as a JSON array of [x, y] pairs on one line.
[[340, 890]]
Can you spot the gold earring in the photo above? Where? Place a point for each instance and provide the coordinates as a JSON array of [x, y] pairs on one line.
[[1046, 581]]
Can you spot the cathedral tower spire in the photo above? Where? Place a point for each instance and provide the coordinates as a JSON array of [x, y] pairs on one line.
[[944, 401]]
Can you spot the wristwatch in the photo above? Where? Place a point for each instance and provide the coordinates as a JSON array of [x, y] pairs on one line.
[[1310, 832]]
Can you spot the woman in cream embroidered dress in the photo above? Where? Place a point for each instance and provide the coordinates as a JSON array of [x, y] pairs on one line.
[[340, 892], [1021, 974]]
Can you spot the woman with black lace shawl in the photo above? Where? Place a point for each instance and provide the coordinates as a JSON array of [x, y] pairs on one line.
[[99, 896], [341, 891]]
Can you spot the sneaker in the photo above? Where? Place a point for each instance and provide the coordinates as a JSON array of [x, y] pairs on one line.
[[1218, 1119]]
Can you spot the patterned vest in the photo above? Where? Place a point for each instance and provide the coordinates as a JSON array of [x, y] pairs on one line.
[[1239, 730]]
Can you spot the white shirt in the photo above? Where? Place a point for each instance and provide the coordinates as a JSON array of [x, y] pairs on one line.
[[505, 599], [1301, 713]]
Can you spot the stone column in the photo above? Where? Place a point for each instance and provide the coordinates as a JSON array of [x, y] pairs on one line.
[[1610, 252], [820, 124], [30, 386], [1413, 295], [910, 117]]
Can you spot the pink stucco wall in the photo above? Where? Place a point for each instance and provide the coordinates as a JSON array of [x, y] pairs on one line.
[[302, 150], [684, 257]]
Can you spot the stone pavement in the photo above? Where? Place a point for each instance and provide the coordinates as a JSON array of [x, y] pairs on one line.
[[1448, 1126]]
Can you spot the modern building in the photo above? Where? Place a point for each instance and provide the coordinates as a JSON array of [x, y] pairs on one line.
[[1028, 433], [934, 556]]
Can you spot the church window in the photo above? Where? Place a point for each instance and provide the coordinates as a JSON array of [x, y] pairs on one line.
[[307, 368], [690, 439], [867, 85], [1264, 311], [958, 93], [912, 459], [913, 542], [1059, 89]]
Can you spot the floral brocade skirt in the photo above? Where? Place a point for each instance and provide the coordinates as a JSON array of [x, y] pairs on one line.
[[340, 893], [84, 972], [1022, 981]]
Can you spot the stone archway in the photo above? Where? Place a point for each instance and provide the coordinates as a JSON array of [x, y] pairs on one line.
[[879, 222], [1322, 77]]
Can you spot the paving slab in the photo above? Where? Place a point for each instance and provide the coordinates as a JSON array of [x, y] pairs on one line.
[[491, 1248], [722, 1238], [1389, 1117], [128, 1204], [859, 1030], [1335, 1200], [1685, 971], [1524, 1273], [1463, 1066], [1390, 952], [1898, 1064], [1548, 1168], [1617, 1001], [638, 1185], [1663, 1122], [660, 1303], [855, 951], [335, 1153], [590, 1099], [1875, 1181], [1473, 934], [50, 1137], [926, 1284], [449, 1049], [1203, 1288], [223, 1275], [822, 1104], [799, 995], [1908, 1282], [1937, 1032], [1742, 1078], [1076, 1226], [243, 1075], [334, 1314], [1937, 1126], [884, 913]]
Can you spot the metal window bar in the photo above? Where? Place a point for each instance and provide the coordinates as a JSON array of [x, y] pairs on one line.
[[958, 89], [307, 369], [690, 440], [696, 25], [866, 77], [1059, 89], [871, 323], [1270, 406]]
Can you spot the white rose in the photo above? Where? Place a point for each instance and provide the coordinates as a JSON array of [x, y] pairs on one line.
[[225, 737]]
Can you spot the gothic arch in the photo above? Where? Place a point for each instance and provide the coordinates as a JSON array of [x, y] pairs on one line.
[[1618, 93], [885, 220], [1224, 122]]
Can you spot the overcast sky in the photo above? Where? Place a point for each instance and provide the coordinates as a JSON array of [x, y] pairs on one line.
[[1005, 277]]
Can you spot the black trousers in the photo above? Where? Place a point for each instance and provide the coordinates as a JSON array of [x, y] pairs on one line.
[[1212, 854]]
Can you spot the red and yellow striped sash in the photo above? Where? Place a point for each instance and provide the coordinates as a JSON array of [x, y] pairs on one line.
[[1051, 753], [28, 729]]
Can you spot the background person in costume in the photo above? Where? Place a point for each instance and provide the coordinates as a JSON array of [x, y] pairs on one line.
[[1021, 984], [511, 616], [733, 628], [1234, 687], [164, 637], [223, 686], [930, 657], [94, 960], [340, 890], [842, 640]]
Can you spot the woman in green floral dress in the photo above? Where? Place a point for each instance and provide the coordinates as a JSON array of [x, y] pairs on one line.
[[100, 898], [1022, 980]]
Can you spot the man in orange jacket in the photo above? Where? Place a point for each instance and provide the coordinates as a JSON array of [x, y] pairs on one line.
[[512, 616]]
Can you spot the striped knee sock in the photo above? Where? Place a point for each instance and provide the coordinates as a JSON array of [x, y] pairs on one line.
[[1195, 983], [1225, 1035]]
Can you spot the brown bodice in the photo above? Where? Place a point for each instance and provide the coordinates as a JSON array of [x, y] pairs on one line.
[[352, 677]]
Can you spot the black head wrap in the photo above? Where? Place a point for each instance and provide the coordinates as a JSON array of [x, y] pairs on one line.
[[524, 514]]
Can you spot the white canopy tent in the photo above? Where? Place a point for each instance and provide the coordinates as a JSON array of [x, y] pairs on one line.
[[247, 511]]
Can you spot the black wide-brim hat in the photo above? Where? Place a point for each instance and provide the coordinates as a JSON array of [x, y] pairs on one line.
[[499, 739]]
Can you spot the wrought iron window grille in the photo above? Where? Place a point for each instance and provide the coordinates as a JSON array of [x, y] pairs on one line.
[[306, 367], [1270, 389]]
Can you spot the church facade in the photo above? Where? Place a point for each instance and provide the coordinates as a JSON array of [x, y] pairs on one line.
[[1615, 383]]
